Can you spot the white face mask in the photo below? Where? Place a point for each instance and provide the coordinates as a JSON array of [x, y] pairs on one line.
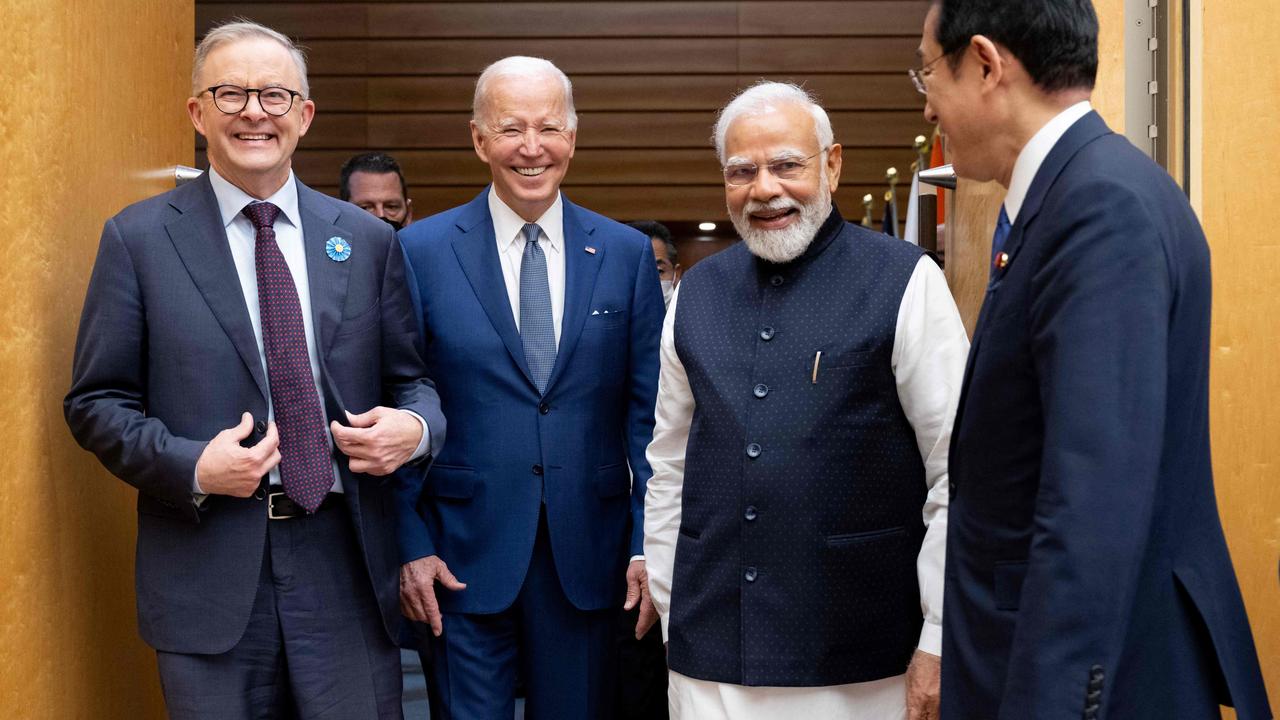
[[667, 288]]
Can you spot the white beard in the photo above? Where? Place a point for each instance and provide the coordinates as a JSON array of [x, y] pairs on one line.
[[789, 243]]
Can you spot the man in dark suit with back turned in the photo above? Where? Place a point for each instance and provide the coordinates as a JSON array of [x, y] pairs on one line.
[[545, 317], [246, 359], [1087, 574]]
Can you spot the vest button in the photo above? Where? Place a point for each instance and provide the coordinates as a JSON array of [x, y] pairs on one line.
[[544, 408], [766, 334], [761, 390], [750, 513], [260, 427], [753, 450], [776, 280], [749, 574], [537, 469]]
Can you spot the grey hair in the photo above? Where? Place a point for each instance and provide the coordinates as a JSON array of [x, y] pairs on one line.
[[241, 29], [521, 66], [765, 96]]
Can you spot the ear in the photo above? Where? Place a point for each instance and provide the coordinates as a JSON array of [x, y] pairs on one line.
[[835, 161], [572, 136], [196, 111], [308, 112], [478, 142], [408, 211], [989, 59]]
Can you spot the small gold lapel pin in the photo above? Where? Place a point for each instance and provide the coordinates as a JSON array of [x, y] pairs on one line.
[[1002, 260]]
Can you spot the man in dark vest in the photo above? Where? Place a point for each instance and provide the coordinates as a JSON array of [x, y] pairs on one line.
[[795, 521]]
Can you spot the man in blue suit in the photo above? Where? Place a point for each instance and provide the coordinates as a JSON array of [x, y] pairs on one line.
[[246, 360], [1087, 574], [545, 318]]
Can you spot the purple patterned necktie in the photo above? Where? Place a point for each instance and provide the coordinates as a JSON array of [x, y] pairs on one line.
[[306, 470]]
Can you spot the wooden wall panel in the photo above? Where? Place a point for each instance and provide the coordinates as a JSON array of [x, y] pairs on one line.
[[1237, 116], [74, 150], [648, 78]]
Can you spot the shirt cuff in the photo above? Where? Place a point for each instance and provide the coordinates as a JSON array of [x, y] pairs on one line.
[[198, 494], [931, 638], [635, 558], [424, 445]]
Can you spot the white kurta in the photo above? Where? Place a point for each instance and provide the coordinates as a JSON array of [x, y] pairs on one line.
[[929, 351]]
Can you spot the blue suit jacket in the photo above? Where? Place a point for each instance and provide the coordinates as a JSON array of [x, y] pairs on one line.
[[166, 358], [582, 443], [1086, 564]]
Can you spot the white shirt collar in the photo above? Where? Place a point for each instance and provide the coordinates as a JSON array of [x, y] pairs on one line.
[[231, 199], [507, 225], [1034, 153]]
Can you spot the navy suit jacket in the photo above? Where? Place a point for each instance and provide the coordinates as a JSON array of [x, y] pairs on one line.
[[1086, 563], [166, 358], [579, 446]]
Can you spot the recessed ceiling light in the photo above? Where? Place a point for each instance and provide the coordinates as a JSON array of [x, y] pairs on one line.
[[707, 226]]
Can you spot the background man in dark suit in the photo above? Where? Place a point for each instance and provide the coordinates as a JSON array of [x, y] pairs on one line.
[[1087, 573], [234, 332], [374, 183], [545, 318]]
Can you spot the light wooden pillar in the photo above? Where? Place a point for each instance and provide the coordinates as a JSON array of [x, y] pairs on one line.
[[91, 111]]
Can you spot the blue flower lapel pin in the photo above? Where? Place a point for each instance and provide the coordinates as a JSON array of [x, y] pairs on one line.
[[338, 249]]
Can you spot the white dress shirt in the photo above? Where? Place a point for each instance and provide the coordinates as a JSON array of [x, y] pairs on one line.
[[928, 358], [1034, 153], [242, 239], [508, 231]]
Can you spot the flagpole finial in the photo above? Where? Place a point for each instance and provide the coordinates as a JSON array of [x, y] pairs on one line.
[[892, 176], [867, 201], [921, 146]]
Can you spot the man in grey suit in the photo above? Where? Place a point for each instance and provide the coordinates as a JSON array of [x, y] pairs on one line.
[[246, 360]]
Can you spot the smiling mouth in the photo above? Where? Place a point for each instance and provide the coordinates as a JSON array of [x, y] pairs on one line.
[[531, 171], [253, 137], [772, 215]]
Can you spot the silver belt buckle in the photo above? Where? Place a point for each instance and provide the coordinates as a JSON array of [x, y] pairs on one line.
[[271, 507]]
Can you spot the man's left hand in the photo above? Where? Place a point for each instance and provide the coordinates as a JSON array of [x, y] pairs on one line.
[[638, 592], [378, 441], [924, 683]]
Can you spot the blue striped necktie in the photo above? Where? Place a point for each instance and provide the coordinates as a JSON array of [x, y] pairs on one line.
[[537, 330]]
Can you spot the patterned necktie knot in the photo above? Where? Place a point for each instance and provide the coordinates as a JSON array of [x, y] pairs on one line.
[[262, 214]]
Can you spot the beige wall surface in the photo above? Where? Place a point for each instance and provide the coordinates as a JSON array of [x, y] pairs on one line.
[[91, 105], [1237, 117]]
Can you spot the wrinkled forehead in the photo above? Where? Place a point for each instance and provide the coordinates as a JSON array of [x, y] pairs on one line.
[[524, 98], [774, 133], [250, 61]]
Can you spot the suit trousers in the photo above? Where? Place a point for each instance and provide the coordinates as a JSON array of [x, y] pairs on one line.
[[315, 647], [566, 656]]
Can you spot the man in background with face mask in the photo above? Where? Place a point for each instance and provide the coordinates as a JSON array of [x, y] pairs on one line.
[[664, 251], [809, 377], [373, 182]]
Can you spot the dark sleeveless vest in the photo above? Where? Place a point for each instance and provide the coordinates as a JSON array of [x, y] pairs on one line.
[[801, 520]]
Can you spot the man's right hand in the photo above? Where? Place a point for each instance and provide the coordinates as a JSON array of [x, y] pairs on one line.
[[418, 590], [226, 468]]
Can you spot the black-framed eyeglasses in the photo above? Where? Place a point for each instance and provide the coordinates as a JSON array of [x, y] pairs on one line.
[[920, 76], [739, 174], [232, 99]]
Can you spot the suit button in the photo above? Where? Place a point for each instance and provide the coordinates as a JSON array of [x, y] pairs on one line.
[[260, 427], [776, 280], [753, 450], [761, 390], [749, 574], [544, 408], [537, 469], [260, 494], [766, 334], [750, 513]]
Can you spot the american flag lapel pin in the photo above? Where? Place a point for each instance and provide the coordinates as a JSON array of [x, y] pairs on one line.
[[590, 249]]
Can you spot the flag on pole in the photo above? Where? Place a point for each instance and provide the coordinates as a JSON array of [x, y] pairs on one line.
[[890, 226]]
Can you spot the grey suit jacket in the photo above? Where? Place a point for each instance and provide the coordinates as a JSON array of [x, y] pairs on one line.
[[166, 358]]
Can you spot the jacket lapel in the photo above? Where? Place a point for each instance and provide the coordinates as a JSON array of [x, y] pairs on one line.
[[328, 279], [580, 270], [1081, 133], [201, 241], [476, 248]]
